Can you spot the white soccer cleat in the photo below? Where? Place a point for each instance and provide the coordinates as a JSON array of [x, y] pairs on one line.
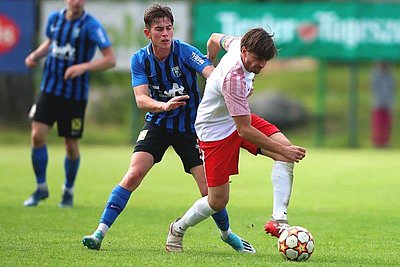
[[174, 240]]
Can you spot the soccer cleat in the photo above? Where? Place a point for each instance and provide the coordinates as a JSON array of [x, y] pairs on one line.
[[275, 227], [174, 240], [37, 196], [239, 244], [93, 241], [67, 200]]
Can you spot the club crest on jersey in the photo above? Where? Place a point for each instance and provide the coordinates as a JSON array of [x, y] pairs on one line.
[[75, 32], [176, 71]]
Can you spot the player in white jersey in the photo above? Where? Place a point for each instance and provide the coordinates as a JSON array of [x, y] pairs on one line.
[[225, 123]]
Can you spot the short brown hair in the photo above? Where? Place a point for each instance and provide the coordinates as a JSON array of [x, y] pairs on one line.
[[260, 43], [155, 12]]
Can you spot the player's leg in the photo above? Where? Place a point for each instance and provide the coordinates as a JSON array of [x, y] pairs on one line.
[[141, 163], [39, 158], [218, 179], [282, 181], [187, 149], [71, 166], [70, 124], [202, 209], [42, 121], [150, 148], [281, 177]]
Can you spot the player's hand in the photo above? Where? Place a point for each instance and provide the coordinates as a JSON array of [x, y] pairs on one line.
[[294, 153], [74, 71], [30, 62], [175, 102]]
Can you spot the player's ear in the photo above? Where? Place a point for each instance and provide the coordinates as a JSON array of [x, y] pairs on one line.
[[147, 33], [243, 50]]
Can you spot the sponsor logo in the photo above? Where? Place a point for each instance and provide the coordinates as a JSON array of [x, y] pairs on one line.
[[326, 27], [176, 90], [307, 32], [76, 124], [196, 58], [9, 34], [115, 207], [63, 52], [101, 35]]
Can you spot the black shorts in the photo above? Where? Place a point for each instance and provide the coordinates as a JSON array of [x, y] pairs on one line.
[[69, 114], [155, 140]]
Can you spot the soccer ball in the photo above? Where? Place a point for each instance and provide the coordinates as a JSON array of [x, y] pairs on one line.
[[296, 244]]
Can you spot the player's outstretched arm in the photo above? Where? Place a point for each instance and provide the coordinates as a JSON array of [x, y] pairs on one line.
[[214, 46], [40, 52], [145, 102], [243, 125]]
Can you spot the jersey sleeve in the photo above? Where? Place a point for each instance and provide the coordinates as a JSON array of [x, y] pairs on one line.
[[98, 34], [234, 45], [227, 40], [138, 74], [235, 94], [194, 58], [50, 22]]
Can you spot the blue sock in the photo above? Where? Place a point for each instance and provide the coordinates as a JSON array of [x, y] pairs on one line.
[[221, 219], [39, 162], [115, 205], [71, 169]]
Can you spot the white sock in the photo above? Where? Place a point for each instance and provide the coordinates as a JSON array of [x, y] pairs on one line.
[[42, 186], [69, 190], [200, 211], [282, 180], [103, 228], [225, 234]]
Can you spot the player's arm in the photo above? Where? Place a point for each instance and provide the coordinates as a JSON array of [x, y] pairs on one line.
[[216, 42], [145, 102], [40, 52], [207, 71], [107, 61], [253, 135]]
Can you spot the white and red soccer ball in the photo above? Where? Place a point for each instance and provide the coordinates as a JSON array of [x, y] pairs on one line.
[[296, 244]]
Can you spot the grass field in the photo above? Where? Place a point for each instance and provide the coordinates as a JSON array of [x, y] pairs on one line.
[[348, 199]]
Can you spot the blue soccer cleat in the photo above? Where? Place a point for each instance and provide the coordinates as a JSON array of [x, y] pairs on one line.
[[93, 241], [38, 195], [239, 244], [67, 200]]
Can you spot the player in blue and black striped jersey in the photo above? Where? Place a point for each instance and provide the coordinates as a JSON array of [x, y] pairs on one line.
[[164, 81], [72, 38]]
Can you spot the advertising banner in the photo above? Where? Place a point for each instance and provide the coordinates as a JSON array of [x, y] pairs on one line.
[[17, 21], [336, 31]]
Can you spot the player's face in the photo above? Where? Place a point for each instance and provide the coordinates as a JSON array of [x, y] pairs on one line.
[[251, 62], [161, 33], [75, 7]]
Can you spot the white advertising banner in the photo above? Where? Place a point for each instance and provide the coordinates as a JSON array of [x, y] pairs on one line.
[[124, 24]]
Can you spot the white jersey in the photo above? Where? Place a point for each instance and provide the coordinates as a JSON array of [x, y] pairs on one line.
[[225, 96]]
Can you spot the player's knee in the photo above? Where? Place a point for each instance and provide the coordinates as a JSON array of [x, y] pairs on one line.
[[37, 139], [132, 178], [218, 204]]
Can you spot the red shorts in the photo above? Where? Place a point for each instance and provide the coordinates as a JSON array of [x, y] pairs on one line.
[[221, 158]]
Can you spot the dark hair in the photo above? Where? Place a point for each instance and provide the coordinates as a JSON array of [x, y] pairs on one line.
[[155, 12], [260, 43]]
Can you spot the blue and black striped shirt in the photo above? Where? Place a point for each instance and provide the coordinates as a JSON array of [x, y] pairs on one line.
[[72, 42], [176, 75]]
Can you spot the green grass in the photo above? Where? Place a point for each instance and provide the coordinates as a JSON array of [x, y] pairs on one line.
[[348, 199]]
